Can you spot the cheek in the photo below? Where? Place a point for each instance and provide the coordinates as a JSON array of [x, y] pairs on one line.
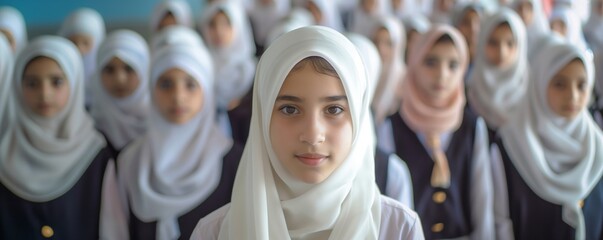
[[62, 97], [196, 101], [342, 136]]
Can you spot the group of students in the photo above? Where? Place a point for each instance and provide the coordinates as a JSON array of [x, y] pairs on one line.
[[466, 122]]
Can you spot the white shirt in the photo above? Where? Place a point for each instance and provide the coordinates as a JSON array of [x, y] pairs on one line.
[[397, 222]]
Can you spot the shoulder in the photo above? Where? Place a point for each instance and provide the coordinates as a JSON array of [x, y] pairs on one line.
[[398, 221], [209, 226]]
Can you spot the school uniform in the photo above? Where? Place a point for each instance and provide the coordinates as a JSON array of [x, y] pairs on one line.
[[552, 164], [55, 172], [234, 65], [446, 150], [393, 177], [122, 120], [174, 174], [270, 203]]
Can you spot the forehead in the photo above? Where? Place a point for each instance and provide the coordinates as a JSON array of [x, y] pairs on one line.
[[446, 49], [306, 81]]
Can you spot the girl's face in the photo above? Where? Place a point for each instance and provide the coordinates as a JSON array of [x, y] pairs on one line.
[[220, 32], [178, 96], [316, 13], [311, 125], [168, 20], [568, 91], [11, 39], [469, 27], [526, 12], [384, 44], [83, 42], [119, 79], [501, 48], [439, 70], [45, 87], [559, 27]]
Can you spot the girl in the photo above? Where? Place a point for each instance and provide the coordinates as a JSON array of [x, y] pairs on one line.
[[537, 27], [224, 26], [500, 78], [445, 147], [441, 11], [264, 15], [365, 15], [389, 38], [325, 13], [6, 73], [12, 25], [415, 25], [308, 173], [552, 150], [171, 12], [466, 18], [567, 24], [121, 100], [183, 167], [55, 168], [86, 29], [391, 174]]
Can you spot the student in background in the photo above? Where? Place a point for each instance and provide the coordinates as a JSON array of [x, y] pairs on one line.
[[7, 113], [415, 25], [535, 20], [551, 151], [12, 25], [171, 12], [567, 24], [56, 171], [466, 18], [121, 101], [225, 27], [444, 145], [325, 13], [86, 29], [307, 171], [264, 15], [183, 167], [364, 16]]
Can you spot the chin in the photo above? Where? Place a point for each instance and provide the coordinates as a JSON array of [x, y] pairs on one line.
[[311, 178]]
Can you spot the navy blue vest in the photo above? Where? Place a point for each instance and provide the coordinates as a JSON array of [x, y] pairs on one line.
[[187, 222], [381, 169], [74, 215], [445, 213], [536, 218]]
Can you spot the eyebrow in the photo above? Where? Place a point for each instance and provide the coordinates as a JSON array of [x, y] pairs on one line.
[[325, 99]]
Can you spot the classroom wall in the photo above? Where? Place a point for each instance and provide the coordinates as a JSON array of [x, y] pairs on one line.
[[45, 16]]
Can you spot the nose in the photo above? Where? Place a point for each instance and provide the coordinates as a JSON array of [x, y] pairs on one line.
[[574, 94], [121, 77], [179, 94], [313, 130], [46, 91]]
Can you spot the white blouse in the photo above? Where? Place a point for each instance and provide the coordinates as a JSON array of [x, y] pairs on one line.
[[397, 222]]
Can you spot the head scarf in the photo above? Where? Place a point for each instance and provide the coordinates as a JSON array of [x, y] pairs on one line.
[[349, 205], [180, 9], [330, 14], [264, 18], [12, 20], [538, 29], [173, 168], [177, 35], [593, 29], [493, 92], [559, 159], [6, 73], [363, 22], [387, 92], [573, 25], [234, 64], [42, 158], [122, 120]]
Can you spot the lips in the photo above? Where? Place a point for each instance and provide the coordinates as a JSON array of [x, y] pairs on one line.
[[311, 159], [178, 111]]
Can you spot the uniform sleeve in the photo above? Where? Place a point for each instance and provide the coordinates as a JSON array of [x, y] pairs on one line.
[[482, 195], [114, 207], [399, 183], [502, 219]]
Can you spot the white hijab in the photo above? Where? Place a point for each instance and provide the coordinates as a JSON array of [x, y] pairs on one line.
[[12, 20], [493, 92], [346, 204], [386, 94], [330, 14], [42, 158], [363, 22], [234, 65], [559, 159], [177, 35], [173, 168], [122, 120], [573, 26], [539, 28], [593, 29], [6, 73], [180, 9], [370, 57], [264, 18], [89, 22]]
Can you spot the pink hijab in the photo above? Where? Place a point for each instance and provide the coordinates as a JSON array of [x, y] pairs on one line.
[[418, 111]]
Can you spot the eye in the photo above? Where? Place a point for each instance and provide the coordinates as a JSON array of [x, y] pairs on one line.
[[129, 69], [430, 62], [335, 110], [191, 84], [288, 110], [109, 69], [165, 84], [453, 65], [57, 81], [30, 83], [582, 86]]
